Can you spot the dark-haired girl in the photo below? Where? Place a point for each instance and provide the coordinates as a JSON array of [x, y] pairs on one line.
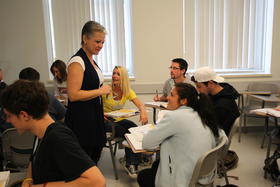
[[186, 132]]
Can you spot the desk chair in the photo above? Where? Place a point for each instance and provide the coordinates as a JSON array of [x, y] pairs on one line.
[[207, 164], [17, 149], [112, 143], [222, 172]]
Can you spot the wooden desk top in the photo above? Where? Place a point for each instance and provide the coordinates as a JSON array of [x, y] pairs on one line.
[[273, 98], [266, 93]]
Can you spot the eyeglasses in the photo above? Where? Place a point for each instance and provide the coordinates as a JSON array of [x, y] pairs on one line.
[[173, 68]]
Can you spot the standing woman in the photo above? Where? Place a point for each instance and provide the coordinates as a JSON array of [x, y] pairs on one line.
[[58, 69], [84, 85]]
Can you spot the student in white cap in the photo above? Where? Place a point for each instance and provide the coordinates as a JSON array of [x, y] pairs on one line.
[[223, 96]]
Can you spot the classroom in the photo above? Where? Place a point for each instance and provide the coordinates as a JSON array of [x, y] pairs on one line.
[[35, 33]]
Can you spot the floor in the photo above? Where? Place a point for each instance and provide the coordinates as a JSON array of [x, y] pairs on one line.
[[249, 169]]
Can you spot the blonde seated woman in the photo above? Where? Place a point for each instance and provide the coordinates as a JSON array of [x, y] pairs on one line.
[[115, 100]]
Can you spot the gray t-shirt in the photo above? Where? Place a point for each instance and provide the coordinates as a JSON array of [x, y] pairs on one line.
[[169, 84]]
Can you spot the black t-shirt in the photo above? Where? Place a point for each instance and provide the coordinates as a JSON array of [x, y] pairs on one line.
[[59, 156]]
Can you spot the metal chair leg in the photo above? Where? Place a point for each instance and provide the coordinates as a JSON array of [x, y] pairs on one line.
[[268, 147], [265, 131], [113, 159]]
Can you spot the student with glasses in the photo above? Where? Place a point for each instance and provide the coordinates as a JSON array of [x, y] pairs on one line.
[[178, 69]]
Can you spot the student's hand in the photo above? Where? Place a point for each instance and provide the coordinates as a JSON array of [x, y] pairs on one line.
[[143, 118], [156, 98], [105, 89]]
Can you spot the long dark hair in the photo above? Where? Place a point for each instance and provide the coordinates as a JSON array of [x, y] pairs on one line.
[[200, 103], [61, 66]]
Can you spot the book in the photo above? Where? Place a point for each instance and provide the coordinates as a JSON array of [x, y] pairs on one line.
[[157, 104], [122, 113], [4, 178], [135, 137], [269, 111]]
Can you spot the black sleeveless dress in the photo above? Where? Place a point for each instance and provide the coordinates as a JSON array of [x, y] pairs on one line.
[[86, 118]]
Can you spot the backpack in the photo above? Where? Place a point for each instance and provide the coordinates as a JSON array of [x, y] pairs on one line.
[[230, 160], [271, 167]]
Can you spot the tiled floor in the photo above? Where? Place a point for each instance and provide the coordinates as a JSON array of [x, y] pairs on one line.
[[249, 170]]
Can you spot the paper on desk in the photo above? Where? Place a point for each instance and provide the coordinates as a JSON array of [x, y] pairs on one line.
[[122, 113], [158, 104], [270, 111], [4, 178], [139, 132]]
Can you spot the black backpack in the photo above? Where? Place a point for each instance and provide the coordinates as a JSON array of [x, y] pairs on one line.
[[271, 167]]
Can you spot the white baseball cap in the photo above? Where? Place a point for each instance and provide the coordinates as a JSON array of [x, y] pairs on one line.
[[205, 74]]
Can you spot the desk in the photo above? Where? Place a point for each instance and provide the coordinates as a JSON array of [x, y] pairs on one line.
[[273, 98], [260, 95], [155, 106]]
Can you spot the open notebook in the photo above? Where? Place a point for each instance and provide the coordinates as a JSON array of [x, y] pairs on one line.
[[4, 178], [135, 137], [157, 104], [122, 113], [269, 111]]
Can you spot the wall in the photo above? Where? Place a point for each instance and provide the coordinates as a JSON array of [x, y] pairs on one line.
[[157, 38], [22, 38]]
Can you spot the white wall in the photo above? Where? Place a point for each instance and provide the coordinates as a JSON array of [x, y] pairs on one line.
[[157, 38], [22, 38]]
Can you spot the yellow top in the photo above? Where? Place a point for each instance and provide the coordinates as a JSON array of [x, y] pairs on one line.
[[109, 104]]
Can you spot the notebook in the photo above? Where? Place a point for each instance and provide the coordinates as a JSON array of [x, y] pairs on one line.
[[136, 135], [122, 113], [269, 111], [157, 104], [4, 178]]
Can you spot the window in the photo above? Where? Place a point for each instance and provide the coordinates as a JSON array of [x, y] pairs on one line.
[[231, 36], [64, 20]]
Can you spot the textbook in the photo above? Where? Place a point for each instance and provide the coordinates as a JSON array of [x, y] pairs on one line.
[[269, 111], [4, 178], [156, 104], [136, 135], [122, 113]]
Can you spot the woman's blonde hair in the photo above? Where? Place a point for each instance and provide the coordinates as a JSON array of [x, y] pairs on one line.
[[125, 84]]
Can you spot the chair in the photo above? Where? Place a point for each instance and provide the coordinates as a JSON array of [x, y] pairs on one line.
[[17, 149], [207, 164], [252, 103], [221, 169], [112, 143]]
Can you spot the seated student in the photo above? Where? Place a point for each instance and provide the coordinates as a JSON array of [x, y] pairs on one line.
[[223, 96], [58, 69], [121, 92], [178, 70], [56, 109], [58, 160], [183, 134]]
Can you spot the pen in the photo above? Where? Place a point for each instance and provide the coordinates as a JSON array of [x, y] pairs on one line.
[[157, 93]]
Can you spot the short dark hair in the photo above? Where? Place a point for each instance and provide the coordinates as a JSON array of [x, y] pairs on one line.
[[30, 74], [28, 96], [182, 64], [61, 66]]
